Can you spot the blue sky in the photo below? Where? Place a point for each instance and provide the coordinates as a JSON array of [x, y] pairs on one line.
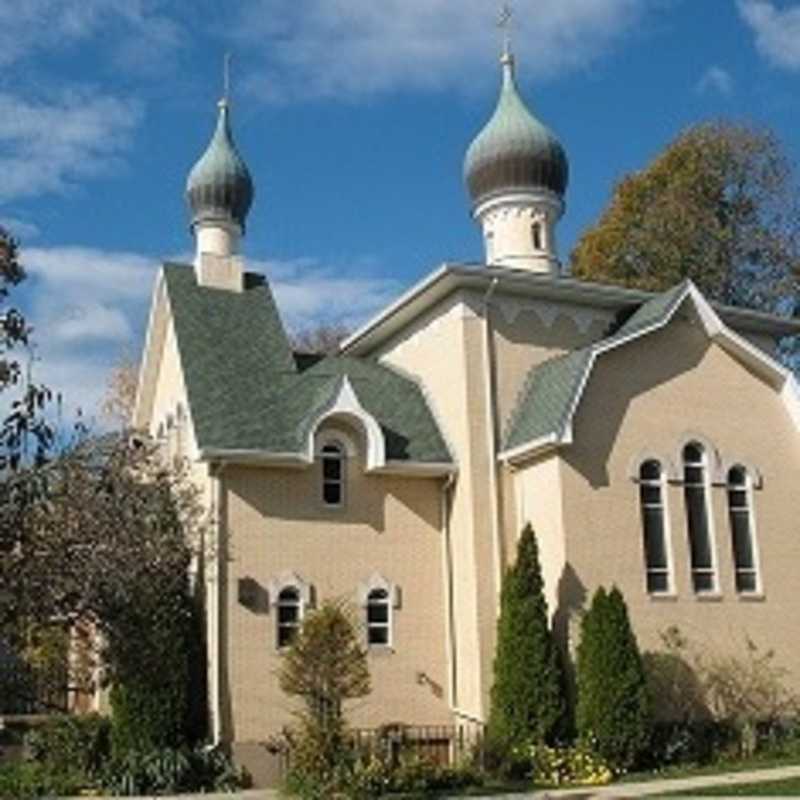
[[353, 116]]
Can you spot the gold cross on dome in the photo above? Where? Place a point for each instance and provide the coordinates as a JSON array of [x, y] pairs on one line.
[[505, 22], [226, 77]]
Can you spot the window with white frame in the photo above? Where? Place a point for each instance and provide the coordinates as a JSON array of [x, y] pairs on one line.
[[740, 511], [289, 615], [695, 488], [656, 552], [333, 474], [379, 618]]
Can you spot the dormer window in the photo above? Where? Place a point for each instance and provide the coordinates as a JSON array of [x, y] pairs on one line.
[[333, 474]]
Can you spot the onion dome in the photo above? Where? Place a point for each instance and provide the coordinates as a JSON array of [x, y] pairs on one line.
[[219, 187], [515, 151]]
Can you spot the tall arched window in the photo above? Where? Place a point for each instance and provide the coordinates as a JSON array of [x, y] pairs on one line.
[[656, 554], [695, 487], [333, 474], [290, 612], [741, 516], [379, 617]]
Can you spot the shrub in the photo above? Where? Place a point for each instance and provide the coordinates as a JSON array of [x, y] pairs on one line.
[[170, 771], [569, 765], [325, 666], [71, 744], [526, 701], [23, 781], [613, 712]]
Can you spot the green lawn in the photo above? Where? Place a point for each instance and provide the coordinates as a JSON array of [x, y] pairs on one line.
[[786, 788]]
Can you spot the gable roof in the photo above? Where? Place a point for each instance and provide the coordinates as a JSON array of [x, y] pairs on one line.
[[247, 397], [552, 390]]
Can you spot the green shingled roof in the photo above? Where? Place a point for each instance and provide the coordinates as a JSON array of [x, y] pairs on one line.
[[246, 393], [548, 394]]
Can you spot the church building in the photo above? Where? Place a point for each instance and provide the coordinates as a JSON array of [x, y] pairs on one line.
[[651, 440]]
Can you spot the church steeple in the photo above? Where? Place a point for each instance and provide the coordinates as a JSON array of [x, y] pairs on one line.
[[516, 172], [219, 192]]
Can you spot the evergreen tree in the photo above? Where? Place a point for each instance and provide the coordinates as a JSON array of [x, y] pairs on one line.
[[527, 702], [613, 714]]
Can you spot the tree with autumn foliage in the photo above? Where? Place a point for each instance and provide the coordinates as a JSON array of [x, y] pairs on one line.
[[719, 205]]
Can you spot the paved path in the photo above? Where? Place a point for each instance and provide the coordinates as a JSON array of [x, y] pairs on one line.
[[661, 787]]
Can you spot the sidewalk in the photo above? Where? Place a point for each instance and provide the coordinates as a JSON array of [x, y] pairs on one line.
[[661, 787]]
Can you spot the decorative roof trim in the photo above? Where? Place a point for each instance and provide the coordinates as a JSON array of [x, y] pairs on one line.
[[449, 278], [346, 404], [781, 378]]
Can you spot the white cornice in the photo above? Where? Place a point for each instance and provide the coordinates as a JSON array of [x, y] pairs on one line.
[[449, 278]]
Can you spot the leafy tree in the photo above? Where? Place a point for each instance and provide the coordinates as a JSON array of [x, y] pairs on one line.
[[120, 396], [325, 666], [322, 339], [719, 206], [25, 432], [101, 539], [613, 712], [527, 700]]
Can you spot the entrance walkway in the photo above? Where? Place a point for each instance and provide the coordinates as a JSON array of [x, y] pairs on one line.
[[668, 786]]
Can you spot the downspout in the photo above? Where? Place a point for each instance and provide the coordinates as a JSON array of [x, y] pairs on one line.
[[447, 488], [492, 433], [215, 615]]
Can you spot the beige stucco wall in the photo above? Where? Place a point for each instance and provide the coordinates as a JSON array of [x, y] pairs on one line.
[[447, 351], [650, 397], [391, 525]]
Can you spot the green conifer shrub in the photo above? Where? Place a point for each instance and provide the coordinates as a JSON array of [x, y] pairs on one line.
[[613, 710], [527, 698]]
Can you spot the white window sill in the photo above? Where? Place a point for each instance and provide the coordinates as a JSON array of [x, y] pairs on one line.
[[659, 597], [380, 650], [709, 597], [752, 597]]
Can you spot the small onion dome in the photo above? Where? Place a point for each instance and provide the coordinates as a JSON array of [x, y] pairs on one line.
[[514, 151], [219, 187]]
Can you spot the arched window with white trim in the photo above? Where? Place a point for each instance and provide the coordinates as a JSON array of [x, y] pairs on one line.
[[290, 614], [740, 511], [654, 528], [379, 618], [695, 489], [333, 473]]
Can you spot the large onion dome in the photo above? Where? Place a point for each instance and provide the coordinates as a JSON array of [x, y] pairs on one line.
[[219, 187], [514, 151]]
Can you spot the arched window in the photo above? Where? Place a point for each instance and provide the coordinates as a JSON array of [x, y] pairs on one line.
[[379, 617], [741, 516], [651, 497], [333, 474], [536, 235], [695, 488], [290, 612]]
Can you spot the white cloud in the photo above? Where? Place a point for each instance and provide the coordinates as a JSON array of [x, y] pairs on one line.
[[777, 31], [46, 146], [49, 25], [86, 306], [715, 80], [308, 292], [357, 47]]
